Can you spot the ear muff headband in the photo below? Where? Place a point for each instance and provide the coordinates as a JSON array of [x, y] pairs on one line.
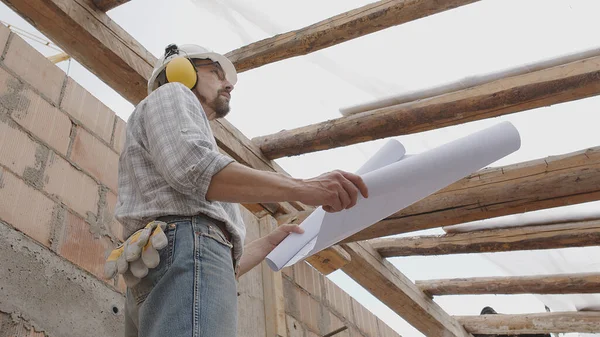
[[181, 70]]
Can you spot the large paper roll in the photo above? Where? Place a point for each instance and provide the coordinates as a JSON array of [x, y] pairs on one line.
[[395, 185]]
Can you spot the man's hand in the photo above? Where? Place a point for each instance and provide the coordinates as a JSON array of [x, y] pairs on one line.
[[257, 250], [277, 235], [335, 191]]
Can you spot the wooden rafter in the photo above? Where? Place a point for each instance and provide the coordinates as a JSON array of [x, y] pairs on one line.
[[340, 28], [400, 294], [545, 183], [556, 322], [469, 82], [555, 85], [106, 5], [567, 235], [540, 284]]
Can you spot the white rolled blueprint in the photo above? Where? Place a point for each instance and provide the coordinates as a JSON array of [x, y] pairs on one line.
[[396, 181]]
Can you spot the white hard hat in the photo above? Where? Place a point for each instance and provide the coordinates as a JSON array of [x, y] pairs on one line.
[[191, 51]]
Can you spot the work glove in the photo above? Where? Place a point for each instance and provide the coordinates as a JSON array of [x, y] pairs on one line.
[[139, 253]]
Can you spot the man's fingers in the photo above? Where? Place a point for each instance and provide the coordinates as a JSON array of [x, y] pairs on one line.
[[290, 228], [358, 182], [275, 237], [334, 204], [352, 192], [345, 198]]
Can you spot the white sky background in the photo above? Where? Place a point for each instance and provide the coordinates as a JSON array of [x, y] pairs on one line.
[[480, 38]]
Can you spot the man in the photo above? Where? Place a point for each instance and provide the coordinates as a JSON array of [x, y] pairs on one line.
[[171, 170]]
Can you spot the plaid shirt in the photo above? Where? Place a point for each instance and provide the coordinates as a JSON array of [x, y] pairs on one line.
[[167, 163]]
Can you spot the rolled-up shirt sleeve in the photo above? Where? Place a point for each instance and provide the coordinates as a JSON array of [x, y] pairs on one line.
[[178, 138]]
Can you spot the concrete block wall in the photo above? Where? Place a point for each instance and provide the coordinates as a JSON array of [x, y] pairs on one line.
[[315, 306], [59, 149]]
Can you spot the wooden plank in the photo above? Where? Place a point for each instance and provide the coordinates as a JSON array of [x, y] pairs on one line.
[[567, 235], [251, 296], [395, 290], [585, 283], [555, 322], [556, 181], [555, 85], [273, 289], [329, 260], [106, 5], [340, 28]]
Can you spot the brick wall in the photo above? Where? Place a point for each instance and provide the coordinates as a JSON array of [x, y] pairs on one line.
[[58, 152], [59, 149], [58, 158]]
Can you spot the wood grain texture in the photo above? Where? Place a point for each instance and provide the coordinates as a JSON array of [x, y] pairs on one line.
[[251, 295], [566, 235], [340, 28], [273, 289], [585, 283], [555, 85], [555, 322], [390, 286]]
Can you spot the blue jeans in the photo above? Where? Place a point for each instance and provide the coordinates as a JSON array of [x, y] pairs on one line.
[[192, 292]]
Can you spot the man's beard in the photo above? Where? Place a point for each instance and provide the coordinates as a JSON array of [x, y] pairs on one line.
[[220, 105]]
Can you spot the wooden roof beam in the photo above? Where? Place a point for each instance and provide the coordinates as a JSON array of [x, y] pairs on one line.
[[551, 322], [106, 5], [340, 28], [400, 294], [584, 283], [545, 183], [541, 88], [469, 81], [566, 235]]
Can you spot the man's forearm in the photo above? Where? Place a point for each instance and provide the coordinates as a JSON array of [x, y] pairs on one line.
[[254, 253], [237, 183], [257, 250]]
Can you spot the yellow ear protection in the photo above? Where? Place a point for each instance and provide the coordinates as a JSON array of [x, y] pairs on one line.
[[180, 69]]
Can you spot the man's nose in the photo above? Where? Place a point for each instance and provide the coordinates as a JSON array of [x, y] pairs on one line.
[[228, 86]]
